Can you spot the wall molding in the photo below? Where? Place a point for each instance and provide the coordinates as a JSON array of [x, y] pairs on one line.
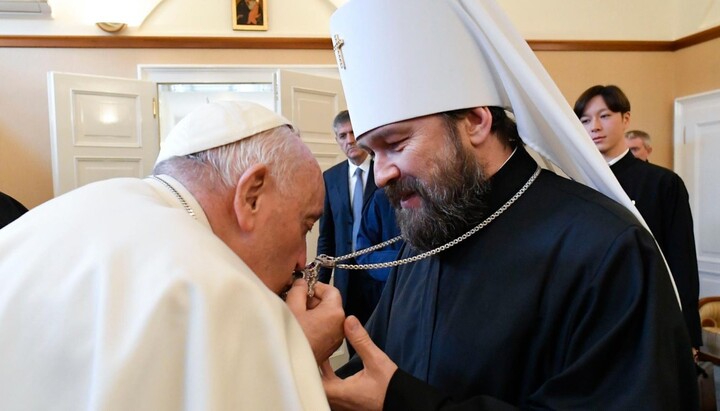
[[319, 43], [697, 38], [600, 45], [157, 42]]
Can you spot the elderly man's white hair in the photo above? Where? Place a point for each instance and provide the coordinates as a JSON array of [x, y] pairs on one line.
[[221, 140]]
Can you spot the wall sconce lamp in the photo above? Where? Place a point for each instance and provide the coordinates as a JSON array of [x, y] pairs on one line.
[[113, 16], [111, 27]]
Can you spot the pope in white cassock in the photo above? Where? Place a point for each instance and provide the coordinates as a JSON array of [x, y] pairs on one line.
[[162, 293]]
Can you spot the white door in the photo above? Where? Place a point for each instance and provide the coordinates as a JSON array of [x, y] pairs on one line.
[[697, 147], [100, 127], [311, 102]]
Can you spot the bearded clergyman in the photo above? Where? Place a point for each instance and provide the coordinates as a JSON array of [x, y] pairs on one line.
[[519, 288]]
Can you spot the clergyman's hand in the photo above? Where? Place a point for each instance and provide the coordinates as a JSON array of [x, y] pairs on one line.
[[365, 390], [321, 317]]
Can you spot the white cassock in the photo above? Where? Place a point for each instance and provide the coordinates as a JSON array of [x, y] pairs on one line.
[[112, 297]]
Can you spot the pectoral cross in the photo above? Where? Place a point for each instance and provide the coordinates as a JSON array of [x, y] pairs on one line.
[[312, 270], [338, 43]]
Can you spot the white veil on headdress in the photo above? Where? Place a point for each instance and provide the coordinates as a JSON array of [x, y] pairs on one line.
[[401, 59]]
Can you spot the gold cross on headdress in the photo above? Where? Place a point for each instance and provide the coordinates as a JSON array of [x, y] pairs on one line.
[[337, 48]]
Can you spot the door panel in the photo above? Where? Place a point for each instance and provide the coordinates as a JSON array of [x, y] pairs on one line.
[[697, 146], [311, 103], [100, 127]]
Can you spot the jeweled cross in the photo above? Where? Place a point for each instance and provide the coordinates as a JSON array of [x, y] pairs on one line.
[[337, 48], [312, 271]]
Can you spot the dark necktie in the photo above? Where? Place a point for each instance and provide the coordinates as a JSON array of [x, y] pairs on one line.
[[357, 204]]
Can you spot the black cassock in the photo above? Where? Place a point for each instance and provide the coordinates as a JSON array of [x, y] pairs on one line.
[[10, 209], [560, 303], [662, 199]]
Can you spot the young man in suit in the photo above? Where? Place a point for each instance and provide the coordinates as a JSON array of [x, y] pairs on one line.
[[338, 225], [658, 193]]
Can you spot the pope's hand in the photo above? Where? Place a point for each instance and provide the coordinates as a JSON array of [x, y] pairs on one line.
[[321, 317], [365, 390]]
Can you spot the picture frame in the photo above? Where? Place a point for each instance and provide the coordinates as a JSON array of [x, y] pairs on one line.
[[249, 14]]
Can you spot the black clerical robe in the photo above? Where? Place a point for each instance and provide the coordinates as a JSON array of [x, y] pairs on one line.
[[10, 209], [562, 302], [662, 199]]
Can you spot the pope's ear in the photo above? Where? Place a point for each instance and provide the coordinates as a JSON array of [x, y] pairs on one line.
[[478, 124], [249, 192]]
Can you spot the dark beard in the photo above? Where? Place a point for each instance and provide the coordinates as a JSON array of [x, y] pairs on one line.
[[452, 200]]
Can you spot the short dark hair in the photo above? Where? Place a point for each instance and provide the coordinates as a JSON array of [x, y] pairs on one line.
[[614, 98], [341, 118], [502, 125]]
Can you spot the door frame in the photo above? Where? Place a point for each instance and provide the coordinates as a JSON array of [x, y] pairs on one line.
[[226, 73], [686, 166]]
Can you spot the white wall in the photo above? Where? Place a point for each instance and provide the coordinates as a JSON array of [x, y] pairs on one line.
[[536, 19], [287, 18], [703, 14], [593, 20], [662, 20]]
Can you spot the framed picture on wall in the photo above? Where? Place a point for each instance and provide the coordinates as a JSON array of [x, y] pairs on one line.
[[250, 14]]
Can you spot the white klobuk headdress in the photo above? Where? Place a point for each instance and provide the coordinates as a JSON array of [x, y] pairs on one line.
[[401, 59]]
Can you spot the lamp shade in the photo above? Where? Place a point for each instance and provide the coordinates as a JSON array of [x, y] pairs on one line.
[[130, 12]]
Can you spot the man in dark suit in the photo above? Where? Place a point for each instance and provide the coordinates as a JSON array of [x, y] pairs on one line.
[[360, 292], [378, 225], [638, 142]]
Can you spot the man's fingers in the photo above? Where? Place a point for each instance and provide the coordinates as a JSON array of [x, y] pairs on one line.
[[321, 289], [327, 372], [378, 367], [326, 292], [297, 295], [359, 339]]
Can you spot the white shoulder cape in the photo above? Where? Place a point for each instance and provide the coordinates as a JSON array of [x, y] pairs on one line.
[[113, 298]]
